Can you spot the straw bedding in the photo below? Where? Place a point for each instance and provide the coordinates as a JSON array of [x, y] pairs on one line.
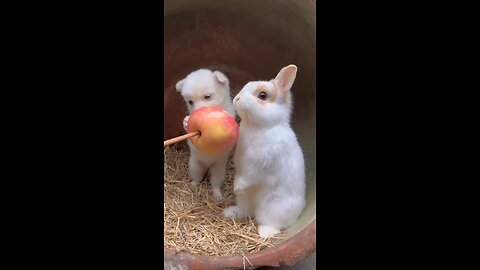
[[194, 223]]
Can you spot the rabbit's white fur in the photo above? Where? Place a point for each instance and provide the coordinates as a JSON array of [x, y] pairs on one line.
[[195, 87], [269, 182]]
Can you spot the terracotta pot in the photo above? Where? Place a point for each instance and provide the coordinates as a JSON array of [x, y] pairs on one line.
[[247, 40]]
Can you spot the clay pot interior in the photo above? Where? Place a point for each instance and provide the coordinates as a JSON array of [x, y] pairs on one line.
[[247, 40]]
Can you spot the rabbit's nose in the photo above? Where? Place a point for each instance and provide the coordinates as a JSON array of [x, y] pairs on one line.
[[237, 98]]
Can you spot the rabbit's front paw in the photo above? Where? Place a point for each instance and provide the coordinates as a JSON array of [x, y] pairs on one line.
[[185, 122], [240, 185], [240, 189]]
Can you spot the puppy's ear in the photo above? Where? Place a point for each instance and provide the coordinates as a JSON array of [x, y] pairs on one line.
[[179, 85], [220, 77]]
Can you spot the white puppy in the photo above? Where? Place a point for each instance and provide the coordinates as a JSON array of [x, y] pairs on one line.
[[203, 88]]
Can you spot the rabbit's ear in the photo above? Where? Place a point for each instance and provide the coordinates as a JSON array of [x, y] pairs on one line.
[[286, 77], [220, 77], [179, 85]]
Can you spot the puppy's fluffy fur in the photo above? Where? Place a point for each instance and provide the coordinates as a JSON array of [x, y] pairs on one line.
[[202, 88]]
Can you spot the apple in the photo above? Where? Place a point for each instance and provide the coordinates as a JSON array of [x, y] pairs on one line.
[[218, 130]]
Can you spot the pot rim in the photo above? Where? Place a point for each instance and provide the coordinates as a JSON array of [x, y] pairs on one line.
[[287, 252]]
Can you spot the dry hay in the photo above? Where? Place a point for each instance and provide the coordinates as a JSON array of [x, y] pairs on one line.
[[194, 223]]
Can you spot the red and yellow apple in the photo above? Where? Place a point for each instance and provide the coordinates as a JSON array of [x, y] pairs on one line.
[[218, 130]]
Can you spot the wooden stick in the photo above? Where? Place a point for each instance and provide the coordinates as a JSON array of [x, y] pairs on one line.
[[180, 138]]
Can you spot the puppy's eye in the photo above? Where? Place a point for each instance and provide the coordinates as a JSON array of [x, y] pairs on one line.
[[263, 96], [207, 96], [191, 102]]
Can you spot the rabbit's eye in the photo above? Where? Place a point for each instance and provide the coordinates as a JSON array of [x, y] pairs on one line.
[[263, 96], [191, 102], [207, 96]]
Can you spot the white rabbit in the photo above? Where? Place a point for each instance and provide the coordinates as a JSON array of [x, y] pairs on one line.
[[199, 89], [269, 181]]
